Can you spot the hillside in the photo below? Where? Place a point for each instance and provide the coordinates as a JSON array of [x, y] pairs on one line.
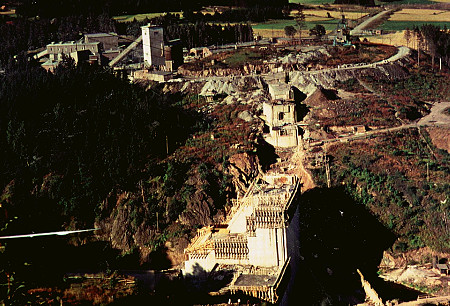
[[150, 163]]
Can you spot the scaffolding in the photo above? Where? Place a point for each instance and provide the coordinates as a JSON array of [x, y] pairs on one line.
[[265, 206]]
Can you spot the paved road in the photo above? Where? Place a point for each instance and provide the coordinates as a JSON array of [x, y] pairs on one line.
[[401, 53], [358, 30]]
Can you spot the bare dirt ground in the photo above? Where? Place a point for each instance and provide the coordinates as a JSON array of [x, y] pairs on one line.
[[438, 115], [305, 177], [414, 269], [439, 125], [440, 136]]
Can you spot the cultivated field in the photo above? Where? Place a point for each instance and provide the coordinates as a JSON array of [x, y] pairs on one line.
[[421, 15], [335, 14], [313, 17], [329, 24], [410, 18], [395, 39], [10, 12], [275, 33]]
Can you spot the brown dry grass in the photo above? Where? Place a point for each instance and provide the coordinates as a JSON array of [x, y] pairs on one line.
[[334, 14], [421, 15], [276, 33], [440, 136], [395, 39], [321, 13], [10, 12]]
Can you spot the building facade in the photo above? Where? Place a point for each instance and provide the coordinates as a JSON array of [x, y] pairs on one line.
[[57, 50], [108, 41], [281, 118], [256, 242], [153, 45]]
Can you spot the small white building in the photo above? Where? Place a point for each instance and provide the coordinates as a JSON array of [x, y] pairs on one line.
[[280, 91]]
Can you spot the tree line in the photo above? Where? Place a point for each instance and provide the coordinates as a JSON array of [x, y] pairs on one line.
[[58, 8], [356, 2], [430, 38], [22, 34], [255, 14], [192, 34], [201, 34]]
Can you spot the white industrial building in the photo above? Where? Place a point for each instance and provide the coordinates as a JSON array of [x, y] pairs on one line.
[[153, 45]]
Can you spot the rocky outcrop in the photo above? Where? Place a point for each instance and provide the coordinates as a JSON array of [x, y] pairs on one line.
[[118, 227], [218, 87], [198, 210], [371, 295], [244, 167], [246, 69], [328, 78], [303, 58]]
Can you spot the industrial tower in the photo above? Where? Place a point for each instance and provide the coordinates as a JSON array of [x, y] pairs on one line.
[[153, 45]]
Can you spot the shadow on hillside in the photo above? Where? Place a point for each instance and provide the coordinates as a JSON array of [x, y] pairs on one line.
[[44, 261], [338, 236], [266, 154]]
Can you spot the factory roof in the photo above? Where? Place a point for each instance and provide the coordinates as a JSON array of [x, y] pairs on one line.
[[252, 280], [95, 35]]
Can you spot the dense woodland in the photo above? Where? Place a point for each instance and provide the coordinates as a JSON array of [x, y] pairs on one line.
[[84, 146], [50, 8], [255, 14], [79, 132], [433, 39], [196, 34]]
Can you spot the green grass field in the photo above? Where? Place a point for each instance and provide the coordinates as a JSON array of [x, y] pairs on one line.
[[242, 56], [140, 17], [279, 24], [402, 25]]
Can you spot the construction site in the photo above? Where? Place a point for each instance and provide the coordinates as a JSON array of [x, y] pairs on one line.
[[309, 103], [258, 242]]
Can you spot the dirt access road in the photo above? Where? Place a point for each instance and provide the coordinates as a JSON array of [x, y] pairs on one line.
[[440, 300], [437, 117]]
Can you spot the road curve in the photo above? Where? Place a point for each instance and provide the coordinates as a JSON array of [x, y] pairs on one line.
[[358, 30]]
